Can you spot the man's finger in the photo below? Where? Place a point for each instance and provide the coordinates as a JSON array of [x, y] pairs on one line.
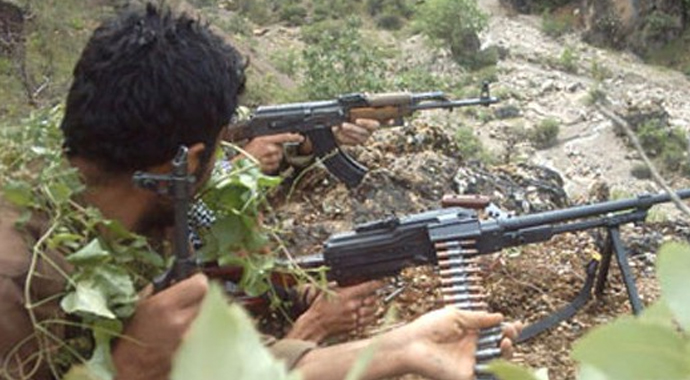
[[478, 320], [512, 330], [355, 131], [186, 293], [370, 124], [282, 138], [506, 348], [362, 290]]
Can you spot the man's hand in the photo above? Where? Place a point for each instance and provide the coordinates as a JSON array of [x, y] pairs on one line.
[[340, 312], [355, 134], [156, 330], [442, 344], [268, 150]]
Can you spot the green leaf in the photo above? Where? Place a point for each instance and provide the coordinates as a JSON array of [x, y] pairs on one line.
[[633, 349], [101, 362], [228, 233], [586, 372], [674, 275], [81, 372], [222, 344], [66, 239], [60, 192], [118, 289], [658, 313], [93, 252], [508, 371], [87, 299], [18, 193]]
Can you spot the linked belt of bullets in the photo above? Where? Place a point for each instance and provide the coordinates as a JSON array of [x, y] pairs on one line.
[[461, 287]]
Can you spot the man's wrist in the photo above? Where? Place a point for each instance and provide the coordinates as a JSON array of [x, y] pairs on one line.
[[307, 327]]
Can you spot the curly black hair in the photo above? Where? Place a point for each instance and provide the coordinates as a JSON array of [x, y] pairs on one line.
[[147, 82]]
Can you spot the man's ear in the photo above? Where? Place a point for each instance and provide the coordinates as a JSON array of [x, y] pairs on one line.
[[194, 156]]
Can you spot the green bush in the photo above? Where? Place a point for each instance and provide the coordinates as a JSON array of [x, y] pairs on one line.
[[334, 10], [402, 8], [545, 135], [469, 145], [653, 137], [641, 171], [235, 24], [556, 25], [389, 22], [257, 11], [599, 71], [338, 61], [287, 61], [595, 95], [293, 14], [668, 146], [418, 79], [453, 24], [568, 60]]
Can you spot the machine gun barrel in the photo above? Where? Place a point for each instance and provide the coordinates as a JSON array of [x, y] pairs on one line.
[[642, 202]]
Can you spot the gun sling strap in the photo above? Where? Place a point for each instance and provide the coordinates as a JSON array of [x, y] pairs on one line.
[[596, 273]]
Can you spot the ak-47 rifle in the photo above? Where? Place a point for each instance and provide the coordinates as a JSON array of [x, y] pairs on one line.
[[315, 119], [451, 238], [178, 185]]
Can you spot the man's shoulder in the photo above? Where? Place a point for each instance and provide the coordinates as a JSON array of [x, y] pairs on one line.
[[14, 250]]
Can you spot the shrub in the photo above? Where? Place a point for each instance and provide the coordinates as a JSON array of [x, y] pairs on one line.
[[556, 25], [389, 21], [293, 14], [545, 135], [335, 10], [469, 145], [287, 61], [595, 95], [568, 60], [258, 11], [402, 8], [417, 78], [641, 171], [338, 61], [453, 24], [599, 71], [668, 146]]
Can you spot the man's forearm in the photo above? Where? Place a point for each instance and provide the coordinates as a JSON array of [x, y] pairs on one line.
[[334, 362]]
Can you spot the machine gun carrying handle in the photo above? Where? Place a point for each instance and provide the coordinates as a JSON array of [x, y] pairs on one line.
[[340, 164]]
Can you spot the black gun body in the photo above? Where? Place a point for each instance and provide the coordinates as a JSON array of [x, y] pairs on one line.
[[382, 248], [385, 247]]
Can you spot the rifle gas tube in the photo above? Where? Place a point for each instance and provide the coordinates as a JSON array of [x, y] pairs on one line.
[[315, 119]]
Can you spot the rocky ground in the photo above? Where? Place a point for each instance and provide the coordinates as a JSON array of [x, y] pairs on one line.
[[413, 166]]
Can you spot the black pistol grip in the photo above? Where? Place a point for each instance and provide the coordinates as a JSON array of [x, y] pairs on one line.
[[338, 163]]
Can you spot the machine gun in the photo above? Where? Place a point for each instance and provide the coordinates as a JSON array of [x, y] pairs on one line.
[[315, 119], [450, 238], [178, 185]]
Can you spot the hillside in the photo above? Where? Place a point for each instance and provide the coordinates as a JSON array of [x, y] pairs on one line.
[[544, 146]]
